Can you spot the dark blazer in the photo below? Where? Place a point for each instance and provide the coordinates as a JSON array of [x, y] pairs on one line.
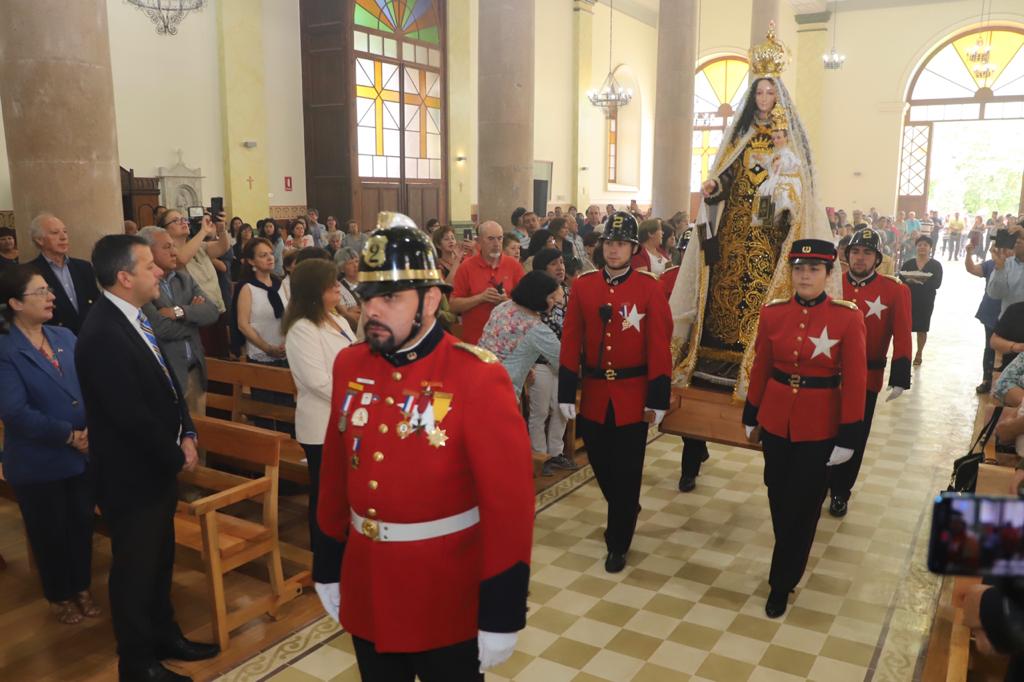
[[174, 334], [134, 417], [86, 291], [40, 407]]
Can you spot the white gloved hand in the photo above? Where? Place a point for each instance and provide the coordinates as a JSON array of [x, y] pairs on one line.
[[748, 430], [839, 455], [330, 597], [894, 392], [658, 416], [568, 410], [495, 647]]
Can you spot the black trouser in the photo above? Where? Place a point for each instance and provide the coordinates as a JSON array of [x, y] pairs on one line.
[[795, 474], [58, 519], [616, 454], [842, 476], [988, 358], [142, 548], [327, 551], [456, 663], [695, 453]]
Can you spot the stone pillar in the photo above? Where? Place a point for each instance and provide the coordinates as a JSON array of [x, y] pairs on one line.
[[812, 41], [762, 11], [582, 52], [673, 112], [57, 95], [243, 107], [505, 108]]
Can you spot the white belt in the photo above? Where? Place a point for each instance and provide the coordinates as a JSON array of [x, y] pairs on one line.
[[412, 532]]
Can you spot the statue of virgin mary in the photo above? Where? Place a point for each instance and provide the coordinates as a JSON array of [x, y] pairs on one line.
[[734, 267]]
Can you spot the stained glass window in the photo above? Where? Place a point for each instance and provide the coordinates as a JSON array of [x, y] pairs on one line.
[[718, 87], [613, 165], [979, 75], [399, 89]]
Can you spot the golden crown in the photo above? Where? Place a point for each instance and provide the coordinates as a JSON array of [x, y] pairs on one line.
[[778, 117], [770, 57]]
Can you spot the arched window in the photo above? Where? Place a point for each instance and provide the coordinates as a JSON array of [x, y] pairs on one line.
[[623, 130], [718, 87]]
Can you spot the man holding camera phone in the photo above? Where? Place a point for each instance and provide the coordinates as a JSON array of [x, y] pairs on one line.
[[195, 254], [483, 281]]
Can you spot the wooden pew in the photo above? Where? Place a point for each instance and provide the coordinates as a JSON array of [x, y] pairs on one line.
[[221, 542], [242, 377]]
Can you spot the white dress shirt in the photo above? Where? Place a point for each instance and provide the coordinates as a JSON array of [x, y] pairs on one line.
[[311, 350]]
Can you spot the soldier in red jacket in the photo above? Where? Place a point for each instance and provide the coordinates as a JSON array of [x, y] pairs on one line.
[[885, 303], [617, 332], [805, 404], [427, 474]]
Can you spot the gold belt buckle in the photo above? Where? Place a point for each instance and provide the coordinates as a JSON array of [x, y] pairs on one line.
[[794, 381], [371, 529], [610, 374]]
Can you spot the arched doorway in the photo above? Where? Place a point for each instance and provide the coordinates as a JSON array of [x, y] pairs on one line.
[[717, 89], [977, 75]]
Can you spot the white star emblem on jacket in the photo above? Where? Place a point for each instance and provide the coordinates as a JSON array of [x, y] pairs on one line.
[[875, 307], [823, 344], [632, 319]]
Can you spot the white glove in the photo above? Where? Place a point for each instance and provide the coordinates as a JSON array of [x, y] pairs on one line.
[[568, 410], [748, 430], [658, 416], [330, 597], [894, 392], [839, 455], [496, 647]]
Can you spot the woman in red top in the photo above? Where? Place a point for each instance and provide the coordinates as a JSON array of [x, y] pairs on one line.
[[650, 256], [805, 404]]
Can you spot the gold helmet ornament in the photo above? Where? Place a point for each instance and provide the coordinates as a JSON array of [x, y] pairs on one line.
[[770, 58]]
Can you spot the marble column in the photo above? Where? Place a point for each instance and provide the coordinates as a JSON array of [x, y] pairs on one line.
[[582, 55], [673, 112], [505, 108], [57, 95], [762, 12]]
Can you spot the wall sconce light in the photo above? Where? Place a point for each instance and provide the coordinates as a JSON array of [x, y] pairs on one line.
[[461, 158], [249, 144]]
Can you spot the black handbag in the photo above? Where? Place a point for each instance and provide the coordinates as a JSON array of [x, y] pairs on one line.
[[965, 469]]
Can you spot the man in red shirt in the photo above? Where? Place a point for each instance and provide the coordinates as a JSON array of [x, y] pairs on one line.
[[483, 281]]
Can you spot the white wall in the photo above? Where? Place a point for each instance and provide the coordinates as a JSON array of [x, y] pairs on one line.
[[286, 151], [553, 95]]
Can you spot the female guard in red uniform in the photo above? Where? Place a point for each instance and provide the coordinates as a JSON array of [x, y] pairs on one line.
[[805, 404]]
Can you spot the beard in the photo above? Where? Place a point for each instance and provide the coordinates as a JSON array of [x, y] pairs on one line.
[[384, 344], [861, 273]]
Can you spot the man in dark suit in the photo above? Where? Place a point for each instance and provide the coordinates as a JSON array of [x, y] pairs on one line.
[[176, 315], [140, 436], [71, 279]]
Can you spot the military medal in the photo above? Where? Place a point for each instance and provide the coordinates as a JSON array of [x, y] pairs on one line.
[[437, 437], [355, 452], [360, 417], [403, 429], [345, 404], [366, 399]]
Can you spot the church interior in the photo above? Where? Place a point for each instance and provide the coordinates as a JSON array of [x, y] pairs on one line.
[[462, 111]]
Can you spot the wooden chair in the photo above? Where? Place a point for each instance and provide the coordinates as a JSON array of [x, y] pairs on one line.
[[222, 542]]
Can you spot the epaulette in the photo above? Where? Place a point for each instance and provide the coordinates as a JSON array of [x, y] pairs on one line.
[[482, 354], [648, 273], [588, 272], [777, 301], [846, 304], [895, 279], [674, 267]]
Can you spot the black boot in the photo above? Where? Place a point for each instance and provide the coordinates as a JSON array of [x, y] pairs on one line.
[[984, 387], [837, 508], [777, 602], [614, 562]]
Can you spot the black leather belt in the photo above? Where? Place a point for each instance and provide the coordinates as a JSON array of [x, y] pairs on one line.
[[797, 381], [876, 364], [611, 374]]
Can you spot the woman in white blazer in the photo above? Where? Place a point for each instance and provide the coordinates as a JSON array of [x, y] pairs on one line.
[[314, 334]]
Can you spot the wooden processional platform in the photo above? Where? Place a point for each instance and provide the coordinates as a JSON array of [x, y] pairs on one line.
[[708, 415]]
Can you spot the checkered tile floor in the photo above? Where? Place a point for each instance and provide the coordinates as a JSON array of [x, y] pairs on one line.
[[690, 604]]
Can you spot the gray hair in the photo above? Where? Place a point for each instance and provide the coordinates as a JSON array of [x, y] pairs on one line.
[[345, 254], [35, 228], [150, 232]]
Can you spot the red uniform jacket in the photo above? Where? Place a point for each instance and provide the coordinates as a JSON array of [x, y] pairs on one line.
[[822, 338], [415, 596], [885, 302], [668, 280], [637, 335]]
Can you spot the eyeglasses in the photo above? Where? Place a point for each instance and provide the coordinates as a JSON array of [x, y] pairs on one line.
[[42, 291], [179, 219]]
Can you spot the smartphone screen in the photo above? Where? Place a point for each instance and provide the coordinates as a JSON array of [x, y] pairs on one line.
[[196, 212], [467, 234], [216, 206], [976, 535]]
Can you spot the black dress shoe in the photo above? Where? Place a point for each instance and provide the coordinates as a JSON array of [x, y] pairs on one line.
[[778, 600], [181, 649], [983, 387], [687, 483], [615, 562], [837, 508], [148, 672]]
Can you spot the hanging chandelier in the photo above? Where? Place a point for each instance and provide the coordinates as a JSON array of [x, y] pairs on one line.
[[979, 54], [611, 95], [167, 14], [833, 60]]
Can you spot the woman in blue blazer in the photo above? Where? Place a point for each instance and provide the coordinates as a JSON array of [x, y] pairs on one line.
[[45, 454]]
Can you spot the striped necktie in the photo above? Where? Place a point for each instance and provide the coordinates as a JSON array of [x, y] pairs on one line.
[[147, 331]]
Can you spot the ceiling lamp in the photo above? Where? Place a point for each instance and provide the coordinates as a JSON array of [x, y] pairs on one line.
[[979, 53], [167, 14], [611, 95], [833, 60]]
